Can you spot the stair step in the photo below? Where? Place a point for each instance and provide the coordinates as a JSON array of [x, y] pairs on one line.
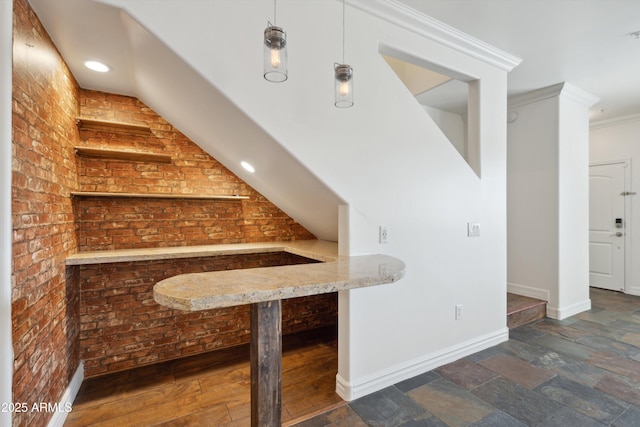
[[523, 310]]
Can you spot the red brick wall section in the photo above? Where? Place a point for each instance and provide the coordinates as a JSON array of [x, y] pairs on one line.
[[44, 305], [122, 327], [117, 223], [48, 225]]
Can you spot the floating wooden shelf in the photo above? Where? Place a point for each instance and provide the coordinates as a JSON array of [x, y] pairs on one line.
[[105, 125], [157, 196], [136, 156]]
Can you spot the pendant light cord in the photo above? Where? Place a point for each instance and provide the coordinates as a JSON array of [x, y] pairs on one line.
[[275, 20]]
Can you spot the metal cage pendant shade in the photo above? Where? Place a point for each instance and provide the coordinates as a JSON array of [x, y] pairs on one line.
[[275, 54]]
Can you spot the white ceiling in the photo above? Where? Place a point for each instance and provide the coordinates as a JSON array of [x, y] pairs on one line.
[[585, 42]]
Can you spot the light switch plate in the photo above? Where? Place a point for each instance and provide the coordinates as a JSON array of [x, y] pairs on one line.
[[473, 229], [384, 234]]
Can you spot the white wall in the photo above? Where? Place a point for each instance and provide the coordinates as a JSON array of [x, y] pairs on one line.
[[548, 198], [452, 125], [388, 162], [614, 141], [573, 205], [532, 200], [6, 344]]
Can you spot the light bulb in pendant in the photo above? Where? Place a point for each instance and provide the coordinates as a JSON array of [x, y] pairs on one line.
[[344, 88], [275, 58]]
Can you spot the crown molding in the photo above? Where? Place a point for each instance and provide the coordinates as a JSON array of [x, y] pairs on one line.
[[615, 121], [536, 95], [560, 89], [403, 16], [579, 95]]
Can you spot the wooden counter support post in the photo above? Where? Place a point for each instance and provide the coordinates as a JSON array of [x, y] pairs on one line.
[[266, 364], [263, 288]]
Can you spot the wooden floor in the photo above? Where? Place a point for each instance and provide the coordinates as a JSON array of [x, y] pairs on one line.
[[212, 389]]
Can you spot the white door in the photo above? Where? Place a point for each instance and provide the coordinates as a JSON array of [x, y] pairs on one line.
[[606, 226]]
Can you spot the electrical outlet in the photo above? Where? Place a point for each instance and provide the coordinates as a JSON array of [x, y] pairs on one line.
[[384, 234], [473, 229], [458, 311]]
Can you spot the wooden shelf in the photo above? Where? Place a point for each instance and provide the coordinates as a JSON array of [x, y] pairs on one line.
[[157, 196], [105, 125], [136, 156]]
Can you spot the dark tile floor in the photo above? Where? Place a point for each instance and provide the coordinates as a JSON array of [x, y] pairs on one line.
[[582, 371]]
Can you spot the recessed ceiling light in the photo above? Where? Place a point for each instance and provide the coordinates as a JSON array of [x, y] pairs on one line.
[[97, 66], [248, 166]]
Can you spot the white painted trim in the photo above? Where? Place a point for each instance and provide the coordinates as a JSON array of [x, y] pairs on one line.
[[6, 70], [579, 95], [616, 121], [537, 95], [397, 13], [403, 371], [566, 89], [560, 313], [59, 417], [610, 162], [528, 291]]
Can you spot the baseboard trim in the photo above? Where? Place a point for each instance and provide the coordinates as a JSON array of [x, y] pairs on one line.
[[403, 371], [560, 313], [528, 291], [60, 416], [633, 291]]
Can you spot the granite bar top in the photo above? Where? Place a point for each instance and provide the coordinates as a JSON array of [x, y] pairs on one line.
[[202, 291], [319, 250], [216, 289]]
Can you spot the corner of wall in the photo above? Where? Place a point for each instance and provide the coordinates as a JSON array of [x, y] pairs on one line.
[[560, 313], [528, 291], [6, 345], [66, 402], [394, 374]]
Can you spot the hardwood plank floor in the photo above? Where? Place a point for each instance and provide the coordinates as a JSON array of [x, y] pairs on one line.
[[212, 389]]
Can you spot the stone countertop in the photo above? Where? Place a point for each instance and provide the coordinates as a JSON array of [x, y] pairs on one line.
[[202, 291], [319, 250], [216, 289]]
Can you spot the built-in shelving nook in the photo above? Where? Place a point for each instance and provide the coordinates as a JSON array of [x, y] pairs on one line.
[[132, 130], [150, 204]]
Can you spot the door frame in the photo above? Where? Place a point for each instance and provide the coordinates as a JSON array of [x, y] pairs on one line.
[[626, 164]]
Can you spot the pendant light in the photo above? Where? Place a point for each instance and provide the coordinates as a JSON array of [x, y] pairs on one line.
[[275, 51], [343, 90]]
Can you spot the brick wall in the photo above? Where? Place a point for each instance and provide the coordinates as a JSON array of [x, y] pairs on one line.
[[142, 223], [44, 306], [122, 326], [48, 224]]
